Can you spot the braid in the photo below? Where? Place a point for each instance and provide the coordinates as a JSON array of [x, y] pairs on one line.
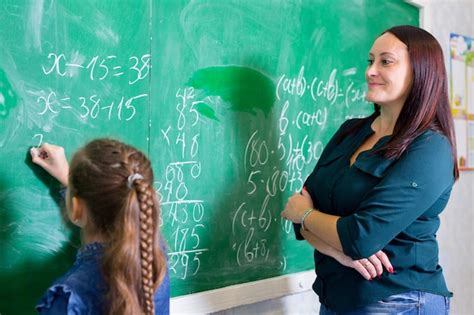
[[146, 244]]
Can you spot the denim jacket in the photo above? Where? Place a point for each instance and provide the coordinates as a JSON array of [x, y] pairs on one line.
[[81, 289]]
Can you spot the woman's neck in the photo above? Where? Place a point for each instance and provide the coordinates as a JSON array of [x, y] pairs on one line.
[[385, 123]]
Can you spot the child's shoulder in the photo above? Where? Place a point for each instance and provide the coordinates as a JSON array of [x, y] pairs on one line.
[[61, 299]]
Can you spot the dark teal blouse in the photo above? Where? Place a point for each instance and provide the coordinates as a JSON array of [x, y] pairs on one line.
[[386, 205]]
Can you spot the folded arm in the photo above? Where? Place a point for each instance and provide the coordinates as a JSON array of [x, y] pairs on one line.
[[416, 181], [369, 268]]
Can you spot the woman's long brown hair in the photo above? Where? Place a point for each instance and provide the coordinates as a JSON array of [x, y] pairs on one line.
[[125, 212]]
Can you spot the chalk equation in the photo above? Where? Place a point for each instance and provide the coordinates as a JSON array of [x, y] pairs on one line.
[[276, 166], [136, 68], [270, 157], [183, 213], [329, 89], [89, 107], [99, 104]]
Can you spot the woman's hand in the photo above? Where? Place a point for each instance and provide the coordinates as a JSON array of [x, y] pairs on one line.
[[297, 206], [53, 159], [370, 267]]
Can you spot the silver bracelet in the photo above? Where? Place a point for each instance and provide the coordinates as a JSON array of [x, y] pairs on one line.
[[304, 217]]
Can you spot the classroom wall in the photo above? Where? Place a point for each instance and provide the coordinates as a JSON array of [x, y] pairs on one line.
[[456, 233], [440, 17]]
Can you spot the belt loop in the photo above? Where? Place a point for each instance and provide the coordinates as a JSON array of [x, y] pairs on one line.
[[421, 302]]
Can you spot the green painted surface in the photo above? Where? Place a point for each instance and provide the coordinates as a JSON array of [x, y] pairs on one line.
[[234, 112], [8, 97], [245, 89], [206, 110], [59, 85], [279, 77]]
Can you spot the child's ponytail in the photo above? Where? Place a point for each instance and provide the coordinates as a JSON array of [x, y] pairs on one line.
[[147, 240]]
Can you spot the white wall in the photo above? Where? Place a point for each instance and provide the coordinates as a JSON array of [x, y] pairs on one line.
[[456, 234]]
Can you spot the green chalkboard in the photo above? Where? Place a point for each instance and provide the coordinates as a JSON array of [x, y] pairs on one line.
[[245, 96], [70, 71], [232, 100]]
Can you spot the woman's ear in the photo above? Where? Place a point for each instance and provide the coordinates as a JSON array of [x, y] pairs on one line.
[[78, 212]]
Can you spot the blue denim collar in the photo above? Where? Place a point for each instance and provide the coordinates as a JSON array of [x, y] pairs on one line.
[[90, 250]]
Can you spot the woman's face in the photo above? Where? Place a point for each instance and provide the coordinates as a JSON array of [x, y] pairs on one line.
[[389, 74]]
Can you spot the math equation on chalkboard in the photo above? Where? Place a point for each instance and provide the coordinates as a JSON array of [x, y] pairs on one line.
[[91, 71], [260, 158]]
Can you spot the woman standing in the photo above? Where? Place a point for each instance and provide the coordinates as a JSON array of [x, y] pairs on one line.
[[380, 185]]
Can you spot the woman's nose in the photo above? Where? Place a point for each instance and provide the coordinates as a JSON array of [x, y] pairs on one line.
[[372, 70]]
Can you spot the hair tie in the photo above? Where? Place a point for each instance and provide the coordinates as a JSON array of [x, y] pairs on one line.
[[132, 178]]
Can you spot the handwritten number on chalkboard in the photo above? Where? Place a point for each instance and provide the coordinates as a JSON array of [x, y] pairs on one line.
[[196, 170], [195, 146], [186, 216], [181, 138], [40, 136], [184, 95], [248, 253], [119, 108], [265, 216], [281, 147], [95, 106], [130, 106], [286, 225], [272, 184], [182, 243], [185, 263], [283, 121], [181, 191], [198, 212], [173, 214], [182, 255], [194, 112], [184, 212], [251, 182], [91, 65], [181, 117], [104, 68], [83, 106], [283, 180], [196, 236], [197, 262], [173, 262], [141, 72], [260, 155]]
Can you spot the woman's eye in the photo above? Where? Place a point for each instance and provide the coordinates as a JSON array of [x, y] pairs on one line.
[[370, 62], [386, 62]]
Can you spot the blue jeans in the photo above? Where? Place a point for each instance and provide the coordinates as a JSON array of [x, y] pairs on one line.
[[410, 303]]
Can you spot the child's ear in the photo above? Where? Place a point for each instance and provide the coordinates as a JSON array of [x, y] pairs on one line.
[[78, 212]]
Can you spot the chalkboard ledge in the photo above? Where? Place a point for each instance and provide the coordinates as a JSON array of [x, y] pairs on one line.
[[242, 294]]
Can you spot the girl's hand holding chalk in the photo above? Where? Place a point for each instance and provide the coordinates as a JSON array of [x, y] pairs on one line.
[[53, 159]]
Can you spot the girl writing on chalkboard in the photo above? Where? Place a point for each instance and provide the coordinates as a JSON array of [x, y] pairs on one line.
[[121, 267], [380, 185]]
